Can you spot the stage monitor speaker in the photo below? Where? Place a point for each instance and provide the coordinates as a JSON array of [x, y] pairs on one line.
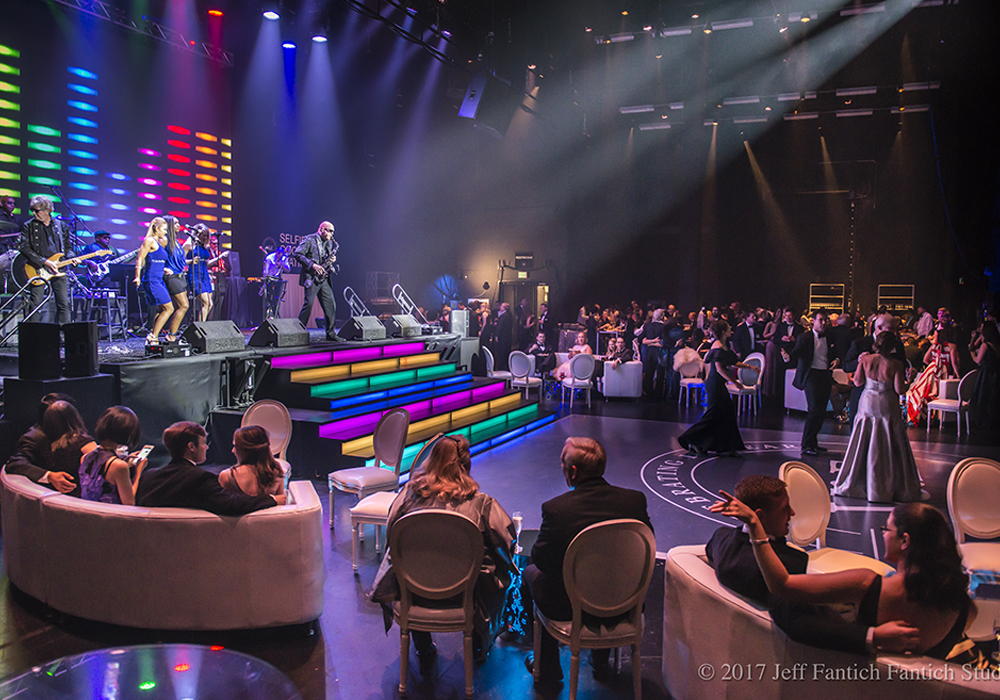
[[280, 333], [460, 322], [402, 326], [490, 103], [214, 336], [81, 349], [38, 351], [363, 328]]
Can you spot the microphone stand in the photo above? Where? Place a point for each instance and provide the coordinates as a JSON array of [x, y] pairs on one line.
[[73, 238]]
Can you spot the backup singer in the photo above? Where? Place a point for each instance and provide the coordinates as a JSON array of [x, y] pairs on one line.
[[199, 258], [317, 254], [173, 274], [41, 238]]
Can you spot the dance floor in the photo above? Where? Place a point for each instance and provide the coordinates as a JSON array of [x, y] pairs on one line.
[[349, 654]]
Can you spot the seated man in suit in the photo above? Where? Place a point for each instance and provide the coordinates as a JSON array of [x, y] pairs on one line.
[[591, 500], [33, 455], [183, 484], [730, 552]]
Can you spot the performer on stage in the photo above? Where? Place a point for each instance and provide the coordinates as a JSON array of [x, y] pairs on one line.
[[317, 254], [99, 277], [173, 274], [150, 276], [219, 270], [9, 223], [42, 237], [199, 260], [273, 290]]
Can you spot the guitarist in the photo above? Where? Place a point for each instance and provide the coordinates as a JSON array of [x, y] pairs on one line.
[[41, 238], [317, 255], [102, 241]]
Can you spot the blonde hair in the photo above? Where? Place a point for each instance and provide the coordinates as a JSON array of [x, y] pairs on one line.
[[155, 224]]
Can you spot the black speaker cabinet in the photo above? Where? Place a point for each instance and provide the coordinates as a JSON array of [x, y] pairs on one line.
[[363, 328], [280, 333], [38, 351], [402, 326], [214, 336], [81, 349]]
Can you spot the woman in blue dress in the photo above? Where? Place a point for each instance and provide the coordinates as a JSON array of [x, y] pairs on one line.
[[199, 279], [149, 266], [173, 275], [717, 431]]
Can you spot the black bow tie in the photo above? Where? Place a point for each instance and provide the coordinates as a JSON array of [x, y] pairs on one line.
[[821, 335]]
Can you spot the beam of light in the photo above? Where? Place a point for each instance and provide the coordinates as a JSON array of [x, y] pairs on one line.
[[785, 239]]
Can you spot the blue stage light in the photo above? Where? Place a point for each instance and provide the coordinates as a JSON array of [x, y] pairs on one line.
[[271, 15], [120, 207], [82, 154], [119, 192], [81, 185], [80, 121], [82, 73], [82, 106], [81, 170], [288, 45], [83, 202], [118, 176], [81, 138], [82, 89], [119, 222]]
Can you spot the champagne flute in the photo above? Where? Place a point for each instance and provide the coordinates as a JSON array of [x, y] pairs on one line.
[[996, 635], [518, 519]]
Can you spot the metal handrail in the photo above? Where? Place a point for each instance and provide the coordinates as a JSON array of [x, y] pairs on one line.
[[358, 307], [17, 296], [406, 303]]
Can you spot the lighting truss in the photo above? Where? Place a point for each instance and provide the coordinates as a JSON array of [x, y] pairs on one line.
[[362, 7], [154, 30]]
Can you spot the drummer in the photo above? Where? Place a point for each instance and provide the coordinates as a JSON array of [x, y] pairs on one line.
[[9, 223]]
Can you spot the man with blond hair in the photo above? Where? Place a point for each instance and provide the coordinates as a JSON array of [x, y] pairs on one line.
[[591, 500]]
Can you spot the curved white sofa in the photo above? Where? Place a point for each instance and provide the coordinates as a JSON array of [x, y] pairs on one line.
[[704, 623], [165, 568]]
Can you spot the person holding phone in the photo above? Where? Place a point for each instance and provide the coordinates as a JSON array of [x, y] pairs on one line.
[[106, 473]]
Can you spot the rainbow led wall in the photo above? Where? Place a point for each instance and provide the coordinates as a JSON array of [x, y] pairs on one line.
[[184, 171]]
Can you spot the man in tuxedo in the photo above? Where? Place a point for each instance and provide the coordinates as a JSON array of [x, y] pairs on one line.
[[183, 484], [745, 336], [591, 500], [814, 376], [503, 336], [547, 326], [730, 552]]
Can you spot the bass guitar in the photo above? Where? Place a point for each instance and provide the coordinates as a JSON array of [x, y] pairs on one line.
[[104, 267], [24, 270]]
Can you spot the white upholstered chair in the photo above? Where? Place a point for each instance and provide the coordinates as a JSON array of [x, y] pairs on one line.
[[581, 374], [810, 499], [491, 370], [689, 365], [521, 368], [607, 570], [389, 440], [959, 406], [273, 417], [436, 555], [750, 379]]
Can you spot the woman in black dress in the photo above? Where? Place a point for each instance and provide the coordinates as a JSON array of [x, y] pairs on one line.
[[985, 405], [717, 430]]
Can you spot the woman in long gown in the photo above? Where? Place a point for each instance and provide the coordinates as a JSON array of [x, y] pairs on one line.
[[780, 338], [879, 464], [717, 430], [985, 406], [941, 362], [582, 347]]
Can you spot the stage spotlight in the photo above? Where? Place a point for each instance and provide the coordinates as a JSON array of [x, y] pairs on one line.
[[271, 15], [215, 13], [288, 45], [320, 37]]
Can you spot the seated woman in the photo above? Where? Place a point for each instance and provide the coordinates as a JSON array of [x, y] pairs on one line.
[[68, 440], [257, 473], [940, 362], [105, 473], [443, 482], [929, 592], [582, 347]]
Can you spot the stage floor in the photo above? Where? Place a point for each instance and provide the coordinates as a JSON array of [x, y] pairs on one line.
[[350, 655]]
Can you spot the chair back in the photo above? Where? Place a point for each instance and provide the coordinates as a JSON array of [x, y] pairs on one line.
[[688, 363], [273, 417], [490, 363], [750, 377], [390, 438], [810, 499], [520, 364], [582, 366], [607, 569], [965, 387], [973, 494], [436, 554], [759, 356]]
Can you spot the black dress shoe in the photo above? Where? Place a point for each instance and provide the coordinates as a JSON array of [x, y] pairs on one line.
[[820, 449], [810, 451], [546, 676], [336, 338]]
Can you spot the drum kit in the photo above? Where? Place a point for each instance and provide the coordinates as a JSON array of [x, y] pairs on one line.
[[9, 231]]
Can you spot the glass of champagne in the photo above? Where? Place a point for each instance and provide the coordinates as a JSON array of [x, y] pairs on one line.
[[518, 519], [996, 635]]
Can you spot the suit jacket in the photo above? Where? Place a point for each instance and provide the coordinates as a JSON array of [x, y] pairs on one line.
[[32, 456], [563, 518], [309, 253], [504, 331], [182, 484], [731, 554], [35, 244], [862, 345], [742, 344], [803, 352]]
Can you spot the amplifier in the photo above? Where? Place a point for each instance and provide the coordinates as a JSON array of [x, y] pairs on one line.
[[168, 350], [363, 328], [402, 326], [215, 336]]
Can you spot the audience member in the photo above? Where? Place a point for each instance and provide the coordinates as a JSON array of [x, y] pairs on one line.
[[591, 500], [256, 471], [545, 355], [105, 473], [985, 405], [940, 362], [182, 484], [444, 482], [582, 347], [814, 376], [33, 454], [503, 334], [651, 334]]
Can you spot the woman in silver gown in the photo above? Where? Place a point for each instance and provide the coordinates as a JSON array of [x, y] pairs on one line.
[[879, 464]]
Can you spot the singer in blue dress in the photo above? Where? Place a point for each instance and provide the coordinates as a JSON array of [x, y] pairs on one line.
[[199, 278], [149, 266]]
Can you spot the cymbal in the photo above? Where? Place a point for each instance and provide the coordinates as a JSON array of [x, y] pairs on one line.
[[10, 226]]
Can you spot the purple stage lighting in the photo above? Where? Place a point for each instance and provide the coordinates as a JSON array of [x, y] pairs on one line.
[[271, 15]]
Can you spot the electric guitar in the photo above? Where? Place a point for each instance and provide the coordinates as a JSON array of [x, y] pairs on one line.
[[104, 267], [24, 270]]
